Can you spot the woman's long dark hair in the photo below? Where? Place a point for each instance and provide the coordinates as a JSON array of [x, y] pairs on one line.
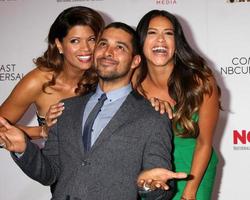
[[53, 61], [189, 80]]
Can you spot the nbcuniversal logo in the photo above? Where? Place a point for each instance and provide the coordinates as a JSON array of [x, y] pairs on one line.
[[237, 1], [241, 139]]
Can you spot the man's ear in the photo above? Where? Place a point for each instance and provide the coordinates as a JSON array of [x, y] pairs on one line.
[[136, 61], [59, 46]]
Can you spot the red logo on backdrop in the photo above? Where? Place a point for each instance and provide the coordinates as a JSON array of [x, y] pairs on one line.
[[241, 137], [241, 140]]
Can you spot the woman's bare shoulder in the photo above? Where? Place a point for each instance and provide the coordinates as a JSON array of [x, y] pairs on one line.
[[39, 74], [32, 82]]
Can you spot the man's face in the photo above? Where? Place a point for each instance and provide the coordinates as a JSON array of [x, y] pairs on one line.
[[113, 55]]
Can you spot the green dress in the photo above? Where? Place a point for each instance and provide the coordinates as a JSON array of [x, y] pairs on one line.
[[183, 154]]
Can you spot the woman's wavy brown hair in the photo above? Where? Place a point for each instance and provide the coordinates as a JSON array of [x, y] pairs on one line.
[[53, 61], [189, 81]]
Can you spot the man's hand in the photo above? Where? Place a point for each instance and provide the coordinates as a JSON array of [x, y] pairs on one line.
[[157, 178], [11, 137]]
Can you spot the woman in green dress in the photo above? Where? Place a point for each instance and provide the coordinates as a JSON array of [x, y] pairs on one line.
[[173, 72]]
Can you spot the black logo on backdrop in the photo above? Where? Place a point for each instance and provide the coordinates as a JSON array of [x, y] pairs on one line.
[[8, 73], [237, 1], [238, 66], [165, 2]]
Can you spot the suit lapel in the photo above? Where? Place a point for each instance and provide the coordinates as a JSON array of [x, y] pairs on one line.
[[78, 116], [124, 115]]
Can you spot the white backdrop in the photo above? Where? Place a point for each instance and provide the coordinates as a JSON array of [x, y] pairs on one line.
[[217, 29]]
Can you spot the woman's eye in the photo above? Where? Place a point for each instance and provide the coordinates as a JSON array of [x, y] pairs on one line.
[[151, 32], [169, 33], [92, 39], [74, 41]]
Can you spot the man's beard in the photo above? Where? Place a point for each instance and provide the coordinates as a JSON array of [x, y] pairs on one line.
[[112, 76]]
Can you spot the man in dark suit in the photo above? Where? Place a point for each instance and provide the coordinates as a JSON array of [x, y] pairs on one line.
[[100, 157]]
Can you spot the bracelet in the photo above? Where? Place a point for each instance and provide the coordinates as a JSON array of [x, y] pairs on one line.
[[146, 188], [183, 198], [43, 133]]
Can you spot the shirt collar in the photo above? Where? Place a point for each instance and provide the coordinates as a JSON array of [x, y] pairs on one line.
[[115, 94]]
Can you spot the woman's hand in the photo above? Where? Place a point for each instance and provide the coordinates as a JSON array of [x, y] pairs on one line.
[[53, 113], [157, 178], [162, 106]]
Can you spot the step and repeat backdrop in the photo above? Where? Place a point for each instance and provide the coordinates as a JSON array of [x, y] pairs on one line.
[[218, 29]]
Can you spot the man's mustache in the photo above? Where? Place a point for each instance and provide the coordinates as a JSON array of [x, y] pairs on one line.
[[107, 60]]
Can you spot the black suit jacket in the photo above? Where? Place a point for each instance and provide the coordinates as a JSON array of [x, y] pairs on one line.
[[135, 139]]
